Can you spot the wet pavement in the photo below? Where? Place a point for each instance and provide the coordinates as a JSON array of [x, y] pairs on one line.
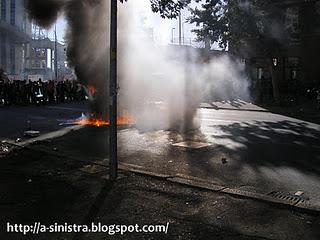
[[255, 151]]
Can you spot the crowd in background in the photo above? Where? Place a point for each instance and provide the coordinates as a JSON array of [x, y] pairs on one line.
[[40, 92]]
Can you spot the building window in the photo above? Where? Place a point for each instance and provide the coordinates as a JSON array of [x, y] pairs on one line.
[[274, 62], [260, 73], [49, 58], [293, 61], [13, 12], [243, 61], [39, 53], [3, 10], [244, 4], [292, 24], [294, 74], [318, 16], [43, 64]]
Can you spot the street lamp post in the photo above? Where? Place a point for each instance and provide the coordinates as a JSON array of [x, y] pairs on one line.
[[55, 52], [180, 27], [183, 33], [172, 34], [113, 92]]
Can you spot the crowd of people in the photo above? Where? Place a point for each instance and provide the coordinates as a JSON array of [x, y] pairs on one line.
[[40, 92]]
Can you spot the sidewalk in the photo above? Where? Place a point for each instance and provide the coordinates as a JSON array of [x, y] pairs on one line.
[[305, 109], [47, 189], [238, 104]]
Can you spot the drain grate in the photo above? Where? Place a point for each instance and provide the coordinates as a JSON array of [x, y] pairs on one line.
[[288, 197]]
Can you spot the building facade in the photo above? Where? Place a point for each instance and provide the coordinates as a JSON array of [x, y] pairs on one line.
[[284, 59], [41, 60], [15, 36]]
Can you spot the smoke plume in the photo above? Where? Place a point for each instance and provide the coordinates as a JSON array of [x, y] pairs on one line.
[[44, 12], [87, 40], [161, 86], [164, 85]]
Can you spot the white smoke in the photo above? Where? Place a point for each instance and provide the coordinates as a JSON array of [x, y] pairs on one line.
[[224, 79], [162, 86]]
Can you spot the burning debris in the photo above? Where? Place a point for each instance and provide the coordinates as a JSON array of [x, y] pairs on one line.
[[92, 89], [123, 120]]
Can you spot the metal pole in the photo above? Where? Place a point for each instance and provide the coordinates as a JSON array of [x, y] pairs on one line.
[[113, 92], [182, 33], [172, 35], [180, 27], [55, 52]]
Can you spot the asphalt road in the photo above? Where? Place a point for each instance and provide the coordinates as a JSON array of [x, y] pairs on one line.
[[15, 120], [250, 150], [255, 151], [265, 152]]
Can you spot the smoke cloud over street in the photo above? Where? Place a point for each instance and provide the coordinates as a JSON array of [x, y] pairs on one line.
[[162, 86]]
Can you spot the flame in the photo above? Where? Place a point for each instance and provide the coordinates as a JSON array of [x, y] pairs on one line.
[[124, 119], [92, 89]]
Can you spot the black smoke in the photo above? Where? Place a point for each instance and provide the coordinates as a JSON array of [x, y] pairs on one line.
[[87, 39], [44, 12]]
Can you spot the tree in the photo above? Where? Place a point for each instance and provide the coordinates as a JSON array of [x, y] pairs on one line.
[[226, 21], [234, 23], [211, 19], [167, 8]]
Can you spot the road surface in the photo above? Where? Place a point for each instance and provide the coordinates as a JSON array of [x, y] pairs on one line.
[[250, 150], [15, 120]]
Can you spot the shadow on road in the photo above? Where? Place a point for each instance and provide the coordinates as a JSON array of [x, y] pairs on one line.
[[277, 144]]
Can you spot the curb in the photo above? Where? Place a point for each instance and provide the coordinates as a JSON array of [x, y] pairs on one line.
[[211, 186], [244, 109], [237, 109]]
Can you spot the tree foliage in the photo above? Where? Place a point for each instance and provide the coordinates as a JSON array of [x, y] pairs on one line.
[[228, 21], [210, 20], [167, 8]]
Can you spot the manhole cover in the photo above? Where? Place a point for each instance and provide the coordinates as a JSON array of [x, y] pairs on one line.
[[92, 169], [288, 197], [192, 145]]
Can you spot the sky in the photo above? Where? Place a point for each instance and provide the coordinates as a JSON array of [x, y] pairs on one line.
[[61, 29], [163, 28]]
